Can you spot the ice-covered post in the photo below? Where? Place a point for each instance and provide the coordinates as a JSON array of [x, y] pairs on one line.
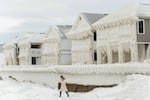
[[99, 57], [109, 54], [120, 52], [134, 52]]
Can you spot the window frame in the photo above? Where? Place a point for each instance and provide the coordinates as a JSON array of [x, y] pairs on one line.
[[139, 27]]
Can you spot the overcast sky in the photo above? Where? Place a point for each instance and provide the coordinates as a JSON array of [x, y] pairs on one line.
[[20, 16]]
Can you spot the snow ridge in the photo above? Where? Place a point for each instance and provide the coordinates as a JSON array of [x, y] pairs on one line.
[[120, 69]]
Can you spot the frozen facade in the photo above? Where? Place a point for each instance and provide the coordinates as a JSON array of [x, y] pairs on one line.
[[120, 37], [56, 47], [83, 38], [24, 50], [124, 35], [51, 48]]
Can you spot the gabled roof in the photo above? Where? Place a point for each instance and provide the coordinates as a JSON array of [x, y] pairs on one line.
[[83, 25], [127, 14], [92, 17], [63, 29], [26, 38], [144, 10]]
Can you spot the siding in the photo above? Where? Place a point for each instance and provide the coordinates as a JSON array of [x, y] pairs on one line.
[[145, 37]]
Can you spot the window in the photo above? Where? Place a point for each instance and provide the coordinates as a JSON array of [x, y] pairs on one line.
[[95, 37], [33, 60], [17, 50], [36, 46], [141, 27], [95, 56]]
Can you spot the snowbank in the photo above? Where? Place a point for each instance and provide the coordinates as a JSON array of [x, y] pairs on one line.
[[106, 69], [136, 87], [13, 90]]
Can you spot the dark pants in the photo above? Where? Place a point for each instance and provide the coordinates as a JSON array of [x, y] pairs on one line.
[[66, 93]]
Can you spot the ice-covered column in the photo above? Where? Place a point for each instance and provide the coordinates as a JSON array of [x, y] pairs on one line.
[[99, 56], [120, 53], [109, 54], [141, 52], [134, 52], [90, 57]]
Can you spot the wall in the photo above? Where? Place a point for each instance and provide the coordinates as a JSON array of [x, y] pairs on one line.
[[65, 56], [82, 51], [145, 37], [50, 53], [116, 39]]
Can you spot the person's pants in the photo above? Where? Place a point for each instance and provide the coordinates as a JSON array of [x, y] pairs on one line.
[[66, 93]]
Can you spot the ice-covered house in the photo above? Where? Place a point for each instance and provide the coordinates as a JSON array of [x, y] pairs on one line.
[[30, 49], [56, 49], [124, 35], [24, 50], [83, 37], [52, 48]]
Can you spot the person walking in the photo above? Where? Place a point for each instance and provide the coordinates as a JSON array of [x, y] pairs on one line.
[[62, 86]]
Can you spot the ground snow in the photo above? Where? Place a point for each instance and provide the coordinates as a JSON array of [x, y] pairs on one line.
[[136, 87]]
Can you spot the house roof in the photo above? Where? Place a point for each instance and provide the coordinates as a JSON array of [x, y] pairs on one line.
[[83, 25], [92, 17], [26, 38], [144, 10], [63, 29], [127, 14]]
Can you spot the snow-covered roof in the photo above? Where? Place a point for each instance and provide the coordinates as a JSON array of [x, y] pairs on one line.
[[128, 14], [83, 25], [92, 17], [64, 29], [32, 38], [26, 38], [55, 33]]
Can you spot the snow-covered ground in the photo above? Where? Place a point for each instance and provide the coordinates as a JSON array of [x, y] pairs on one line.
[[136, 87]]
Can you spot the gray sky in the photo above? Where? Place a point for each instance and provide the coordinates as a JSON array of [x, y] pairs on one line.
[[20, 16]]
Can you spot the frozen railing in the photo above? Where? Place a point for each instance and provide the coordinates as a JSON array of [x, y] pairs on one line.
[[123, 69]]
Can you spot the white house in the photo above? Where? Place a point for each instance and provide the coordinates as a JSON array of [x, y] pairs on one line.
[[52, 48], [56, 47], [124, 35], [24, 50], [29, 49], [83, 38]]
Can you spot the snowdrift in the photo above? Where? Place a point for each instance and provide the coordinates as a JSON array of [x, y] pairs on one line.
[[136, 87]]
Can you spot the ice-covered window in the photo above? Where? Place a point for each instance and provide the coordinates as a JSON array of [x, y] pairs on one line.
[[95, 55], [94, 37], [35, 46], [141, 27]]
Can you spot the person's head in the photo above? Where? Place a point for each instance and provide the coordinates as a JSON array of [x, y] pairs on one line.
[[62, 77]]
